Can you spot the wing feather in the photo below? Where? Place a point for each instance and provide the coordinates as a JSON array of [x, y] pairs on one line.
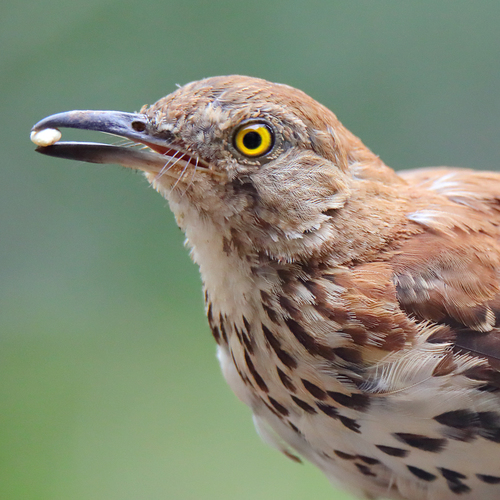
[[449, 274]]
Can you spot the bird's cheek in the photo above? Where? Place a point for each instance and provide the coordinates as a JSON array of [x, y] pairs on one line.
[[298, 197]]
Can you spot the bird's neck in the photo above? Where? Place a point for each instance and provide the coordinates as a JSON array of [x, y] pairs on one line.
[[236, 271], [266, 312]]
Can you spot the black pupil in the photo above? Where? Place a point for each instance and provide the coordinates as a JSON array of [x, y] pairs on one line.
[[252, 140]]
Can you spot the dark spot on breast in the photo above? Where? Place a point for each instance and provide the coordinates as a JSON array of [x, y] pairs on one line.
[[458, 418], [465, 435], [258, 379], [271, 314], [209, 314], [349, 355], [421, 474], [246, 323], [292, 457], [243, 377], [466, 424], [283, 356], [392, 451], [458, 488], [306, 407], [489, 423], [286, 275], [364, 469], [271, 409], [485, 374], [295, 428], [244, 339], [331, 411], [451, 475], [488, 479], [289, 307], [238, 334], [265, 297], [493, 387], [351, 381], [317, 290], [309, 342], [489, 387], [490, 434], [216, 334], [285, 380], [278, 406], [424, 443], [344, 456], [481, 373], [326, 311], [368, 460], [488, 419], [247, 341], [350, 423], [359, 402], [316, 391], [222, 328]]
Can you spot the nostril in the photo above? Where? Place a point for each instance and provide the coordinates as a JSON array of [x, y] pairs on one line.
[[139, 126]]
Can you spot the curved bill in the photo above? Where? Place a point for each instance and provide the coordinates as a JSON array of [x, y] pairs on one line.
[[92, 152], [132, 126]]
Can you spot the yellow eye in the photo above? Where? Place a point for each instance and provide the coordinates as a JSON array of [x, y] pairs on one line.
[[254, 139]]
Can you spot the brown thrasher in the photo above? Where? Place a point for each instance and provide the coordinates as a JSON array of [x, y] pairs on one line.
[[355, 309]]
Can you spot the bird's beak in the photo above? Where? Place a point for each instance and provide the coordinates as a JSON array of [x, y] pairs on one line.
[[132, 126]]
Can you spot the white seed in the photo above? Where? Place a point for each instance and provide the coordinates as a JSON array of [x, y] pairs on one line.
[[45, 137]]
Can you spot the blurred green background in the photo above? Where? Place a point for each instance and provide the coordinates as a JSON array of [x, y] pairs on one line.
[[109, 385]]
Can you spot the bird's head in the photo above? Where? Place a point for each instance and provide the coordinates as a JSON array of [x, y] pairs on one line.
[[263, 162]]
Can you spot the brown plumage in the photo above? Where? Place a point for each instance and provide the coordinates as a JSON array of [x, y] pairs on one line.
[[355, 309]]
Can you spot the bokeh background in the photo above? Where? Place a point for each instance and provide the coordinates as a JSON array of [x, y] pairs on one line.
[[109, 388]]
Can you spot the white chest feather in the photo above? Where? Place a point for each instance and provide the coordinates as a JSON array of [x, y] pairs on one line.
[[225, 275]]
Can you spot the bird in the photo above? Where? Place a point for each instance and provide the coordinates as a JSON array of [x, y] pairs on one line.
[[355, 308]]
